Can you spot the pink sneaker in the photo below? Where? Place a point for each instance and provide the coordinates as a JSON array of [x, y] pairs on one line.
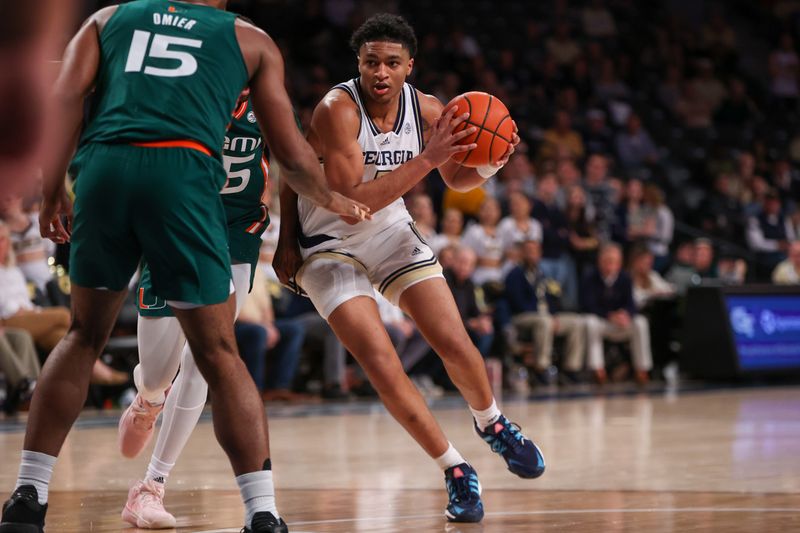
[[145, 506], [136, 426]]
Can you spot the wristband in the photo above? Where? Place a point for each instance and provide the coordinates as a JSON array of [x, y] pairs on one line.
[[487, 171]]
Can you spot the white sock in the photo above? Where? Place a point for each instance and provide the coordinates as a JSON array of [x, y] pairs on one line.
[[158, 471], [490, 415], [449, 458], [258, 494], [36, 469]]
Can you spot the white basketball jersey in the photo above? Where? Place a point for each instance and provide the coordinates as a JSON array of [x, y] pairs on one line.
[[383, 152]]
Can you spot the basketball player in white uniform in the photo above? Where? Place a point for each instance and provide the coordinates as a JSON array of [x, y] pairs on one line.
[[378, 137]]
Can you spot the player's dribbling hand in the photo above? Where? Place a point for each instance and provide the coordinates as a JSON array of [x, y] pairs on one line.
[[349, 210], [443, 142], [50, 224], [287, 261], [511, 147]]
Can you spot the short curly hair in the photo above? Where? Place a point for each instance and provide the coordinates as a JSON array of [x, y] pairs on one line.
[[385, 27]]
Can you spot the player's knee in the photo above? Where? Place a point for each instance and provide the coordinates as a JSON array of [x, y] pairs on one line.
[[453, 345], [87, 336], [382, 366], [214, 350]]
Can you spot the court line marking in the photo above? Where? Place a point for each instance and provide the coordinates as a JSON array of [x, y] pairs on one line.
[[545, 512]]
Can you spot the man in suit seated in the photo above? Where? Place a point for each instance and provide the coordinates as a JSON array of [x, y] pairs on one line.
[[535, 304], [607, 299]]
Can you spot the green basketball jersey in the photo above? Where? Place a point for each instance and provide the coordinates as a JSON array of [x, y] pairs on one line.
[[245, 158], [168, 71]]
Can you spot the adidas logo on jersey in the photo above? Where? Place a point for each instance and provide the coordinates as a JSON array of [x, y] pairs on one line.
[[385, 141], [416, 251]]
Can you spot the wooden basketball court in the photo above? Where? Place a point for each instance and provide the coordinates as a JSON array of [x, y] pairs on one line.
[[726, 460]]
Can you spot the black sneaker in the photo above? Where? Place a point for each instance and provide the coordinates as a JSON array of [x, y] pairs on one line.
[[264, 522], [22, 513]]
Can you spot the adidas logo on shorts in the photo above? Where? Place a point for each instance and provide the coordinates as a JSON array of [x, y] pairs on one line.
[[416, 251]]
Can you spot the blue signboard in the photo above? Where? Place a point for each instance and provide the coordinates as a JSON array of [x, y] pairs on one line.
[[766, 330]]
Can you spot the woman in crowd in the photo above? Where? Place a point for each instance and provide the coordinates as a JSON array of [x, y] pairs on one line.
[[583, 241], [661, 238], [484, 239], [647, 283], [452, 226], [30, 249], [519, 226], [47, 325], [634, 222]]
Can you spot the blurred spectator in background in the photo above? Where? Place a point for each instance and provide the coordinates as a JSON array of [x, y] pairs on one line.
[[580, 80], [47, 325], [460, 279], [583, 238], [703, 263], [19, 364], [601, 195], [788, 271], [721, 214], [598, 22], [607, 297], [610, 89], [731, 269], [409, 343], [769, 233], [635, 148], [598, 138], [535, 304], [452, 226], [786, 181], [634, 222], [562, 48], [519, 226], [706, 86], [660, 240], [647, 283], [271, 354], [743, 176], [447, 255], [755, 197], [556, 262], [421, 210], [320, 337], [718, 37], [30, 249], [681, 274], [561, 140], [568, 175], [693, 110], [784, 71], [737, 109], [670, 89], [484, 239], [517, 175]]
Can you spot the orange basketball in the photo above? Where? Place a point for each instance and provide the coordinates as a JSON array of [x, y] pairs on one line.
[[495, 128]]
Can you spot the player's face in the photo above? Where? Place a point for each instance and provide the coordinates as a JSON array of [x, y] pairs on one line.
[[384, 67]]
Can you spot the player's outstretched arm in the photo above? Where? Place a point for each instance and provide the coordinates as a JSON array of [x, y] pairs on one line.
[[74, 83], [457, 177], [334, 132], [297, 160]]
